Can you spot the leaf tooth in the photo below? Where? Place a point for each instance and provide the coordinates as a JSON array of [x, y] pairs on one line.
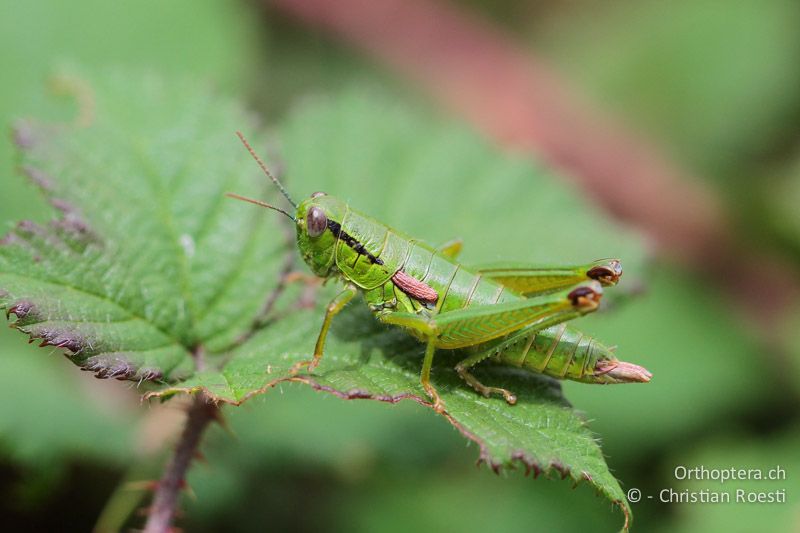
[[22, 309], [496, 466], [74, 232], [150, 374], [60, 338], [106, 367], [530, 464], [69, 234], [23, 135], [92, 365], [29, 228], [40, 178], [560, 468], [10, 238], [120, 371]]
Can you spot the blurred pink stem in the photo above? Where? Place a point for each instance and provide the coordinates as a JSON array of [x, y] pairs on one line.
[[165, 502]]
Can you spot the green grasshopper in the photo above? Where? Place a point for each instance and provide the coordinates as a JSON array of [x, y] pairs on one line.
[[514, 314]]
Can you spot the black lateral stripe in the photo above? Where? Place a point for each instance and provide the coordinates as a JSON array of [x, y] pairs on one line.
[[337, 230]]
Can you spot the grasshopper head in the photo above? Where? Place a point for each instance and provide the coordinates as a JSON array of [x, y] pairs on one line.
[[318, 221]]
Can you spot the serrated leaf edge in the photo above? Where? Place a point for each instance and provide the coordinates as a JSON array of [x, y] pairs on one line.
[[484, 457]]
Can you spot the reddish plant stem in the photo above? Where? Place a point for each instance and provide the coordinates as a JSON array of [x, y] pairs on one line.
[[165, 502]]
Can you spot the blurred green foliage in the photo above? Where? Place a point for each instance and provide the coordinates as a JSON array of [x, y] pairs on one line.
[[739, 451], [69, 416], [777, 207], [719, 86]]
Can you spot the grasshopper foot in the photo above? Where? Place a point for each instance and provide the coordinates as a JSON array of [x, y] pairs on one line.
[[438, 404], [480, 388], [310, 365], [509, 396], [297, 367]]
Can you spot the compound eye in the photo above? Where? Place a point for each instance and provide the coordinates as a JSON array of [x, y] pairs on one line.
[[316, 221]]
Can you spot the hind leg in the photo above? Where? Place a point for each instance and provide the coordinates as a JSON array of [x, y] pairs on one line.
[[463, 370], [425, 378]]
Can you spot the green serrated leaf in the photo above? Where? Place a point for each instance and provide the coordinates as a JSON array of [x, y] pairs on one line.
[[685, 73], [217, 39], [149, 261], [151, 274], [365, 360]]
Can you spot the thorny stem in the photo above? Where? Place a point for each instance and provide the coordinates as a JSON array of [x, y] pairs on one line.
[[165, 502], [202, 412]]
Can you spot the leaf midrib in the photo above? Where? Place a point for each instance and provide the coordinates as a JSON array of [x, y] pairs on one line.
[[163, 202]]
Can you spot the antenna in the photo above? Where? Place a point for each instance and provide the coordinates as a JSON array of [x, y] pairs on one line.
[[259, 202], [264, 168]]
